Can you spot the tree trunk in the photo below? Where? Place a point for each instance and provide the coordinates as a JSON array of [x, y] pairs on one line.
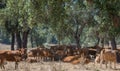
[[113, 43], [78, 34], [25, 39], [79, 30], [78, 42], [12, 41], [98, 41], [102, 42], [77, 37], [98, 38], [36, 41], [18, 38], [31, 38]]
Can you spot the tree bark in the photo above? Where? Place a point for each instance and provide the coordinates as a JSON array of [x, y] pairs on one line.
[[98, 41], [79, 30], [25, 39], [18, 38], [78, 34], [12, 41], [113, 43], [36, 41], [77, 37], [78, 42], [102, 42], [31, 38]]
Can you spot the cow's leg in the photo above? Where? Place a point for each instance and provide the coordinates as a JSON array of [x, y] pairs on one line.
[[101, 63], [44, 58], [114, 65], [95, 63], [41, 58], [3, 67], [38, 59], [52, 58], [16, 65], [35, 58], [110, 65], [106, 63]]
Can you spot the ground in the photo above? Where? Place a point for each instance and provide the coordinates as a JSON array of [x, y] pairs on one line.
[[53, 66], [56, 66]]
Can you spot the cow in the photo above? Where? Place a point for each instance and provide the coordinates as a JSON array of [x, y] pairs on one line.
[[108, 55], [35, 53], [46, 53], [11, 56], [76, 61], [82, 60], [2, 62], [70, 58]]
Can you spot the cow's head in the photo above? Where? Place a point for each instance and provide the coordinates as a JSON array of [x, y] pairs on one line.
[[23, 52]]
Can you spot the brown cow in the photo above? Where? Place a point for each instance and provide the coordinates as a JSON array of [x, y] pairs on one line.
[[35, 53], [12, 56], [42, 53], [2, 62], [47, 54], [84, 52]]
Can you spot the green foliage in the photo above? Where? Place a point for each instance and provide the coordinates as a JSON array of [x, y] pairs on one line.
[[61, 19], [107, 12]]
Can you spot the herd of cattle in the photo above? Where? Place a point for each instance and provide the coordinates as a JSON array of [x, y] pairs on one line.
[[65, 53]]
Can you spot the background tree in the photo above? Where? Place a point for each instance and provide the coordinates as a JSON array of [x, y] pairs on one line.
[[108, 18]]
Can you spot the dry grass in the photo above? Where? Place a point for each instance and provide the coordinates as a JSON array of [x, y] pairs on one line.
[[53, 66]]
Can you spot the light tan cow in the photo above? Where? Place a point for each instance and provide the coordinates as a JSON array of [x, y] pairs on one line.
[[69, 58], [108, 56]]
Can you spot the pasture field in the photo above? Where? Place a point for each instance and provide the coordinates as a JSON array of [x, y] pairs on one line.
[[53, 65], [56, 66]]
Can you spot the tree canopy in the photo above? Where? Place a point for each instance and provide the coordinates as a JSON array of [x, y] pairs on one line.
[[61, 21]]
